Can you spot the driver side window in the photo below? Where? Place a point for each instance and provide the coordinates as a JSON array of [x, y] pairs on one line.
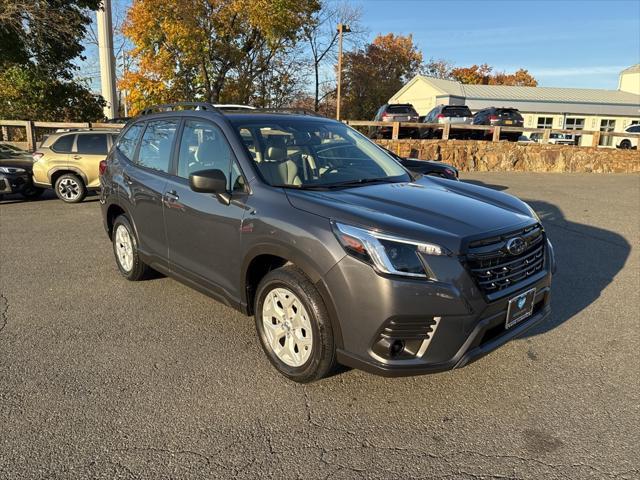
[[203, 147]]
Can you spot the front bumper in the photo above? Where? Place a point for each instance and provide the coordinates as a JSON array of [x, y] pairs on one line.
[[469, 327], [13, 182]]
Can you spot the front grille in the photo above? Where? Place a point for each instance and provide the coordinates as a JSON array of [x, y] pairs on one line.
[[494, 268]]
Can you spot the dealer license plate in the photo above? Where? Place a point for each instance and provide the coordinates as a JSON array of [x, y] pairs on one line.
[[520, 307]]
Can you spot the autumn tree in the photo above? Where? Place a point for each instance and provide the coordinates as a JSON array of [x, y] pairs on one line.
[[484, 75], [212, 50], [372, 75], [39, 40], [321, 37]]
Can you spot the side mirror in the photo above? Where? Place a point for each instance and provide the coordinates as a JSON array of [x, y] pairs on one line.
[[208, 181]]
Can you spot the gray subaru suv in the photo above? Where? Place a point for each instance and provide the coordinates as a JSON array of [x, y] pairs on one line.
[[341, 254]]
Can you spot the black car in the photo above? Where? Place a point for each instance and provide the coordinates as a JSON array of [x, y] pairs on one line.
[[15, 173], [396, 112], [339, 253], [427, 167], [503, 117]]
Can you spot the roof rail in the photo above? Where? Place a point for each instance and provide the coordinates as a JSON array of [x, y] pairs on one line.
[[169, 107], [299, 111]]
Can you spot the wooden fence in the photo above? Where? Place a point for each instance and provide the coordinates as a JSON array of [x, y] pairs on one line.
[[30, 133], [495, 131]]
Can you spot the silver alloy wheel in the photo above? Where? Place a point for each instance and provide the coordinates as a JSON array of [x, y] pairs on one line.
[[69, 189], [287, 327], [124, 248]]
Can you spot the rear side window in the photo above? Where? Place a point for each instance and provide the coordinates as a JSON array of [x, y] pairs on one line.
[[127, 142], [92, 144], [63, 144], [456, 112], [156, 145], [508, 113]]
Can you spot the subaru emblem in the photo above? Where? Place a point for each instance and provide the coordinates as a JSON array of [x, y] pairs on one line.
[[521, 301], [516, 245]]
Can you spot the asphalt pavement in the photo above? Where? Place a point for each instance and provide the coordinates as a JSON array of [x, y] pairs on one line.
[[102, 378]]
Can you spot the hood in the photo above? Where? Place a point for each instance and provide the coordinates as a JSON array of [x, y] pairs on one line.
[[429, 209]]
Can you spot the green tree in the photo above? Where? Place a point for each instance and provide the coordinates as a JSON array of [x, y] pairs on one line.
[[372, 75], [39, 39]]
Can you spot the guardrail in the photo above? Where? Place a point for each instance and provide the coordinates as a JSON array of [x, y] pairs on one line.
[[32, 132], [495, 131]]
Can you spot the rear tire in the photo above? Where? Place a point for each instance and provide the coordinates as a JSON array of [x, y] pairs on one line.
[[293, 326], [125, 249], [625, 144], [70, 188]]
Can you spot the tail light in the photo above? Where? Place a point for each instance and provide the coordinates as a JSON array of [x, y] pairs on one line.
[[439, 116], [493, 118], [103, 167], [37, 156], [385, 116]]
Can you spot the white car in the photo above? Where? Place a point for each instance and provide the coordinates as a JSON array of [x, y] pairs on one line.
[[629, 142]]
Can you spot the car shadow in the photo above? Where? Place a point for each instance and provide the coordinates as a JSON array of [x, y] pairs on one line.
[[588, 260], [8, 199]]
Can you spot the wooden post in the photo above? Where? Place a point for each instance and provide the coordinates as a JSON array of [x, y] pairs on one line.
[[595, 139], [395, 133], [31, 136], [4, 135], [445, 131], [496, 134], [546, 135]]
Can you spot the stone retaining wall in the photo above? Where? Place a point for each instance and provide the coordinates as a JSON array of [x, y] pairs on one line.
[[473, 155]]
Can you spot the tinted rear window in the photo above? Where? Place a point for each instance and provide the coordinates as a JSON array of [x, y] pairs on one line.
[[401, 109], [63, 144], [456, 112], [508, 113], [92, 144]]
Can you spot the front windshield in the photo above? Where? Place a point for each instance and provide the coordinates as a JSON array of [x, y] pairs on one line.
[[290, 152]]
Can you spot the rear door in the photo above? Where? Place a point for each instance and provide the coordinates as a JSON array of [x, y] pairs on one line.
[[90, 149], [57, 158], [145, 178], [203, 232]]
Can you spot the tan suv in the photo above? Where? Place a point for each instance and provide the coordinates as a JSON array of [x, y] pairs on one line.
[[68, 162]]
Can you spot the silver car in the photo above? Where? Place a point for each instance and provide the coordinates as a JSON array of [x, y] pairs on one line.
[[454, 114]]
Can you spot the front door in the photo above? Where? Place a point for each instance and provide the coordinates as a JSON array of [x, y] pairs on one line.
[[203, 231]]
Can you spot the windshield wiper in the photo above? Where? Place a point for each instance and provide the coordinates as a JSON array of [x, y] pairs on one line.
[[349, 183], [359, 181]]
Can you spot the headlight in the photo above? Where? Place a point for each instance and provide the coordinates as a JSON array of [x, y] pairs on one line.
[[12, 170], [387, 253]]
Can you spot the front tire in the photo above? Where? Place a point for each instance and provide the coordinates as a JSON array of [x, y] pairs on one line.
[[125, 249], [293, 326], [70, 188], [625, 144]]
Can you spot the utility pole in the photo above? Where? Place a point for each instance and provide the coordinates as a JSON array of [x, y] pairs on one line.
[[107, 60], [341, 29], [124, 92]]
